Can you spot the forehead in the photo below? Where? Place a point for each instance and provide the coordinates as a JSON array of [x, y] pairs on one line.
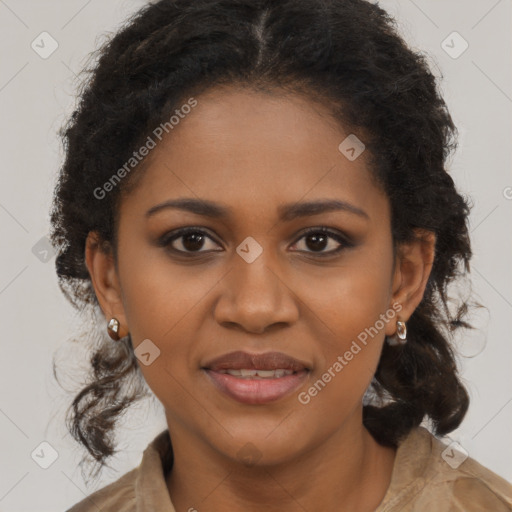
[[252, 152]]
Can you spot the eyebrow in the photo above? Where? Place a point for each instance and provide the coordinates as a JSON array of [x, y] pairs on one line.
[[287, 212]]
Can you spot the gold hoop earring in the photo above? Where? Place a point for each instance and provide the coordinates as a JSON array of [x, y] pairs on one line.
[[113, 328], [400, 337]]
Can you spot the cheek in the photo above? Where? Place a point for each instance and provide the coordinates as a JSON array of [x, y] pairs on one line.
[[158, 294], [157, 300], [164, 303], [352, 308], [350, 299], [351, 346]]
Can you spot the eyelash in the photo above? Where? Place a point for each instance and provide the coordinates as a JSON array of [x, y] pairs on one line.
[[168, 238]]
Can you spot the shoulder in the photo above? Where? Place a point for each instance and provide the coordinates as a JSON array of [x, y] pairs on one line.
[[142, 488], [470, 485], [432, 475], [119, 496]]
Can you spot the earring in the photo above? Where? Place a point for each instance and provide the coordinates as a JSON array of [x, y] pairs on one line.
[[400, 337], [113, 328]]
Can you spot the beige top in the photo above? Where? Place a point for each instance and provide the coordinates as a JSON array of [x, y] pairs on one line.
[[423, 480]]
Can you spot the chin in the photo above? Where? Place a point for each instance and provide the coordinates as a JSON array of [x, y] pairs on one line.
[[261, 447]]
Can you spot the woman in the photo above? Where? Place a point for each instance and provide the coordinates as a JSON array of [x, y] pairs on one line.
[[255, 196]]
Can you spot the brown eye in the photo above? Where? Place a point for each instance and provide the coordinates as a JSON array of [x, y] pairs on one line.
[[316, 240], [188, 240]]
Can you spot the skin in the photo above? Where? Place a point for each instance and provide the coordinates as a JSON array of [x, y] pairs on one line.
[[253, 152]]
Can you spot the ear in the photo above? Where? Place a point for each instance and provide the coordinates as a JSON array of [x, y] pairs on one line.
[[412, 270], [100, 264]]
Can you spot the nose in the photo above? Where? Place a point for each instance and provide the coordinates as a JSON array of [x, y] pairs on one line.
[[255, 298]]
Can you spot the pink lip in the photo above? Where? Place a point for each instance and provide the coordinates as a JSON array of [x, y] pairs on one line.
[[256, 391]]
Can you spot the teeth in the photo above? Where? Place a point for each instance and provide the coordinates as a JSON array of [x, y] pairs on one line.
[[267, 373], [264, 374]]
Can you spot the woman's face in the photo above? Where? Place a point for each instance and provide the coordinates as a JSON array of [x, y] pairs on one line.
[[250, 279]]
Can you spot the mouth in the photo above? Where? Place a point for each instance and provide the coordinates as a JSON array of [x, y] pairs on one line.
[[256, 378], [246, 373], [268, 361]]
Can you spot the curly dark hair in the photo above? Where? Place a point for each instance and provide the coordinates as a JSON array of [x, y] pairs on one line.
[[346, 54]]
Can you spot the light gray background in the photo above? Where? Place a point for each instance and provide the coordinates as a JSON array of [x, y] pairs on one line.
[[37, 95]]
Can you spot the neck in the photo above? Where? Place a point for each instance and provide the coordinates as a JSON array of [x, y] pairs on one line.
[[349, 471]]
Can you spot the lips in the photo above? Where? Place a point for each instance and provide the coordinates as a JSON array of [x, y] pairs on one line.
[[267, 361], [256, 378]]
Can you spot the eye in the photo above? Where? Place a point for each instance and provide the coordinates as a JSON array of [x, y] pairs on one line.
[[189, 240], [317, 239]]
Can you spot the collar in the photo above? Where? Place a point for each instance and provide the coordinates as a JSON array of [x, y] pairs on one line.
[[409, 474], [151, 491]]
